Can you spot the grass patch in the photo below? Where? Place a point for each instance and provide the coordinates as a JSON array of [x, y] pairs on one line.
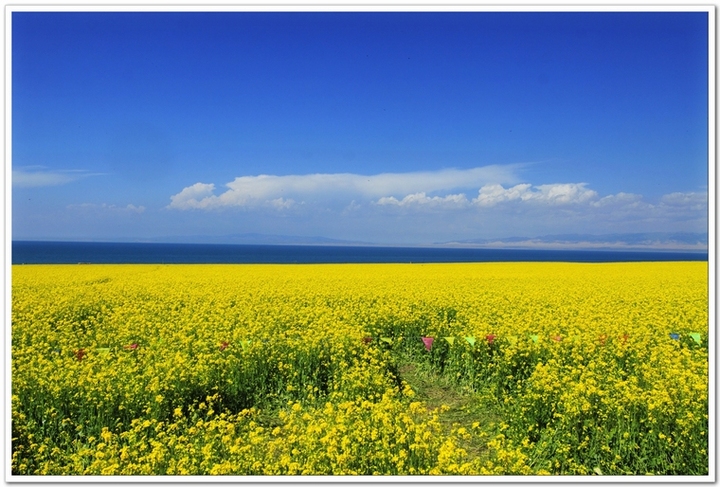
[[457, 406]]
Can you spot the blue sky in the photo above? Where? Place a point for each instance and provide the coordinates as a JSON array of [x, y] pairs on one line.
[[403, 128]]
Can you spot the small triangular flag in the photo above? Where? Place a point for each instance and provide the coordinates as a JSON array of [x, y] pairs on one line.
[[386, 339], [696, 337], [534, 338], [245, 344], [471, 341], [675, 336], [450, 340], [512, 339], [428, 341]]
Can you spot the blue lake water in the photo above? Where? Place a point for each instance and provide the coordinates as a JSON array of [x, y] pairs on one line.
[[25, 252]]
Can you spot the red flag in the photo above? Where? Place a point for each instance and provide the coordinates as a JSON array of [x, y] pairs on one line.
[[80, 354], [223, 346], [428, 341], [367, 340], [490, 338]]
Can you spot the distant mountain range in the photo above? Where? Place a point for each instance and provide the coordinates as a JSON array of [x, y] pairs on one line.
[[638, 241], [619, 241], [254, 239]]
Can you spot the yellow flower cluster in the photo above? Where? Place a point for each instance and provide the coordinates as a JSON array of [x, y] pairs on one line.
[[294, 369]]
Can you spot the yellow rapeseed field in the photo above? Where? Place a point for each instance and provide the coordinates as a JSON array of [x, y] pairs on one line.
[[343, 369]]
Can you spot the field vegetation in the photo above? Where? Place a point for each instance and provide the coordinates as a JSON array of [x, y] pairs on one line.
[[359, 369]]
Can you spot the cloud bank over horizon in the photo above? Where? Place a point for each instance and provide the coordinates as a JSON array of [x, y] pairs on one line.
[[491, 202], [430, 206], [283, 191], [493, 187]]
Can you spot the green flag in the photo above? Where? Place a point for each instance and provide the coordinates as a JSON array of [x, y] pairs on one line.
[[534, 338], [696, 337], [471, 341], [386, 340]]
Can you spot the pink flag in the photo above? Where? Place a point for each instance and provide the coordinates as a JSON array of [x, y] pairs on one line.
[[428, 341]]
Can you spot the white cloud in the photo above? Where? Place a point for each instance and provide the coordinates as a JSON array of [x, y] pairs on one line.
[[135, 209], [38, 176], [248, 191], [192, 196], [558, 194], [621, 199], [565, 207], [446, 202], [491, 195], [280, 203], [694, 201]]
